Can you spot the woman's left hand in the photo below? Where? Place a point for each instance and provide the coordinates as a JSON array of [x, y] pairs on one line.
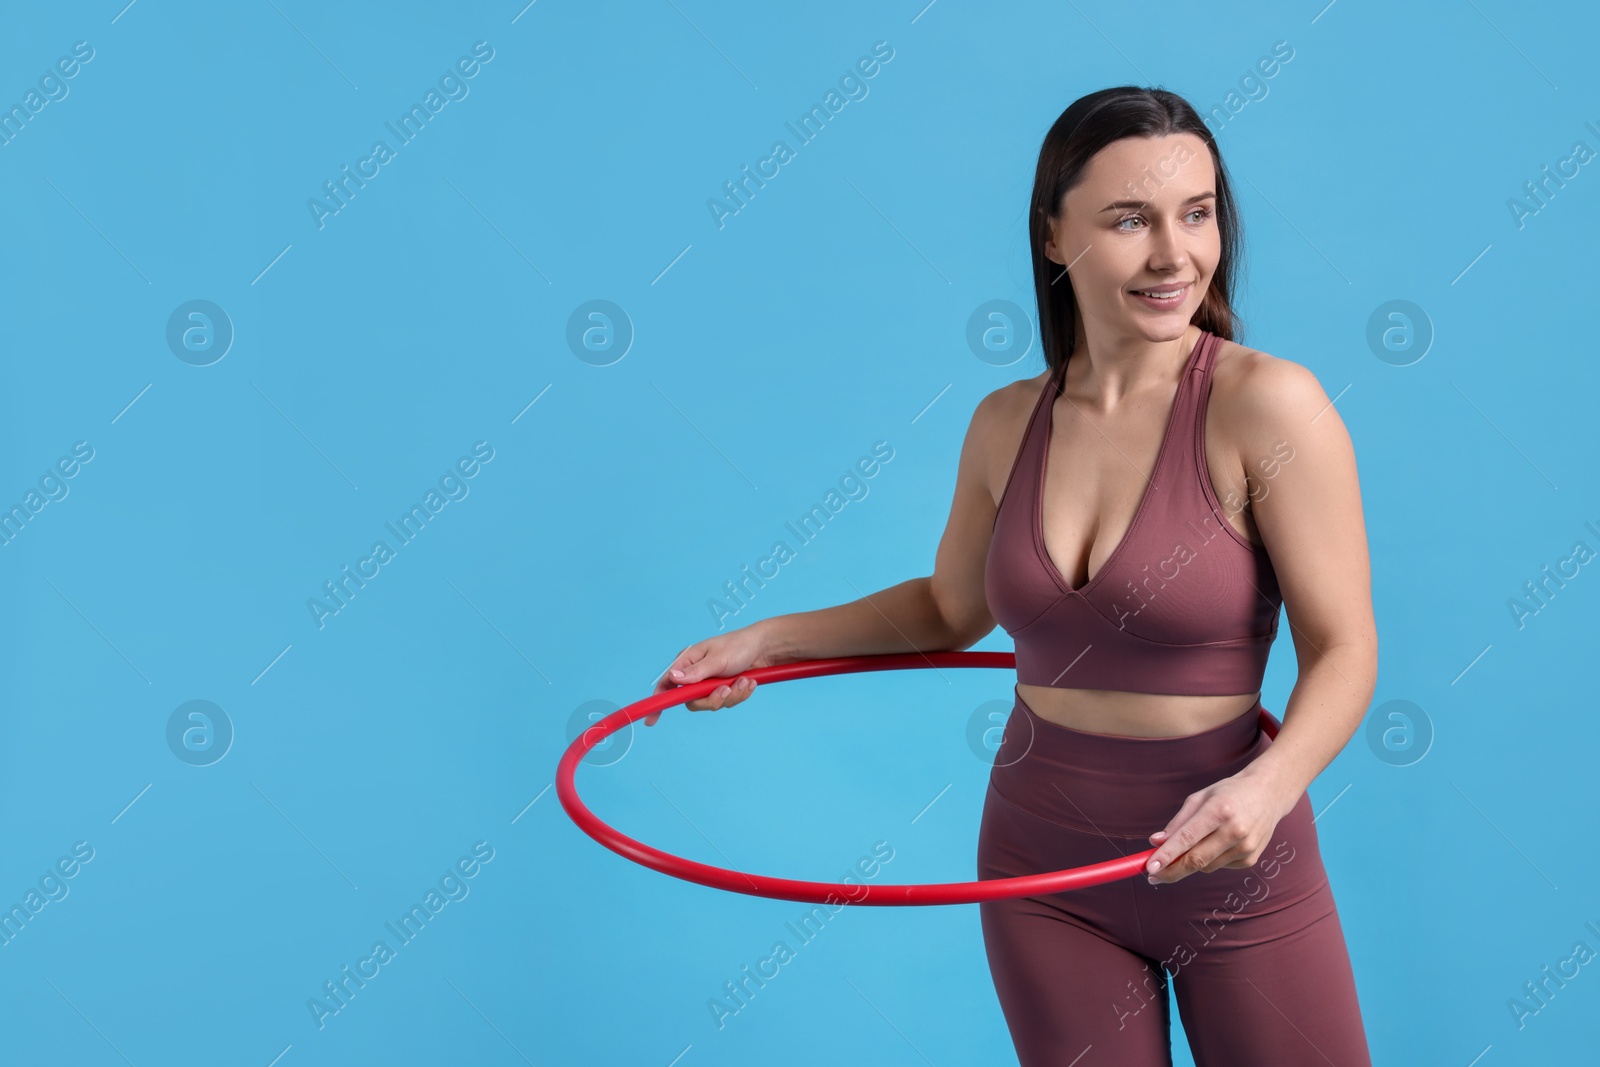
[[1227, 824]]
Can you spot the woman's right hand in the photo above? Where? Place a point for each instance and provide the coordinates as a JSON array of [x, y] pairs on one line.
[[722, 656]]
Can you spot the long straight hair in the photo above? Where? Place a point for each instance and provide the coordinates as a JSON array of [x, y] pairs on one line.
[[1089, 124]]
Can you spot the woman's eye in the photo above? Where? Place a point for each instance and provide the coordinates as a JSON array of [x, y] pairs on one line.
[[1204, 213]]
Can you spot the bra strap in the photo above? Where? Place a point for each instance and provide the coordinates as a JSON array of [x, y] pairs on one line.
[[1210, 342]]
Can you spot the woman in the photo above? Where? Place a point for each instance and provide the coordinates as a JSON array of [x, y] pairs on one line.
[[1135, 517]]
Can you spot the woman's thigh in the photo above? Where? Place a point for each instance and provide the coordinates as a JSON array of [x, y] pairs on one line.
[[1073, 988], [1259, 966]]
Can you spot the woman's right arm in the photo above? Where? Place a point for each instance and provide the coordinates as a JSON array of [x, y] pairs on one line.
[[943, 611]]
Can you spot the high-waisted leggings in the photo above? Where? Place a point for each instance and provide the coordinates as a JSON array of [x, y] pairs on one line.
[[1256, 956]]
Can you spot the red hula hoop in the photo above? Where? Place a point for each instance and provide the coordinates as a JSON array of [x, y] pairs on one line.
[[823, 892]]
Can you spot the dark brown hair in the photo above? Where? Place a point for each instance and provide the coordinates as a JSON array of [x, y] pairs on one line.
[[1085, 127]]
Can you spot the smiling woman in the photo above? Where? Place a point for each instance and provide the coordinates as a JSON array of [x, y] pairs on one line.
[[1089, 522], [1128, 717]]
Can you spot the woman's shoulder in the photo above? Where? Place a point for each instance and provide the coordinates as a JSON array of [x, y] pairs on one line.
[[1251, 385], [999, 423], [1007, 407]]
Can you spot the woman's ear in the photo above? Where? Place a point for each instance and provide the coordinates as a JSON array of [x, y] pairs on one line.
[[1050, 242]]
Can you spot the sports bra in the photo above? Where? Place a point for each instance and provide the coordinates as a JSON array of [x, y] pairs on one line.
[[1185, 604]]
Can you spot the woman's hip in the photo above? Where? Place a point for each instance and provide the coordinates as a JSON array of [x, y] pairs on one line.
[[1111, 784]]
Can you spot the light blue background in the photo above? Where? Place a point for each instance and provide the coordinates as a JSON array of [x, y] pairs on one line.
[[768, 355]]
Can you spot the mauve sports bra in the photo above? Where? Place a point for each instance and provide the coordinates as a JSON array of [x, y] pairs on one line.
[[1183, 605]]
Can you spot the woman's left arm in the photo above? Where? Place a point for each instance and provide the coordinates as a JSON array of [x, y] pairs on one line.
[[1308, 511]]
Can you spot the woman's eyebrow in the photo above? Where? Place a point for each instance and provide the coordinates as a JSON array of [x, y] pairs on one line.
[[1120, 204]]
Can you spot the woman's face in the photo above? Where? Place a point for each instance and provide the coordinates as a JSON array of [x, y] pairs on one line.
[[1142, 218]]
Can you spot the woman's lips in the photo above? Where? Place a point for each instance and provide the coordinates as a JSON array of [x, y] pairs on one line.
[[1176, 300]]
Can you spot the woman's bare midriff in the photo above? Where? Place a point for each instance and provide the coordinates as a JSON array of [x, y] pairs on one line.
[[1107, 711]]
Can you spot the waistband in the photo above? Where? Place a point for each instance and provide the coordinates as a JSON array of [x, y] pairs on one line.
[[1112, 784]]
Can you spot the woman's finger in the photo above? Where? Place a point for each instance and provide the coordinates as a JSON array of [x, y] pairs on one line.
[[692, 665], [734, 692], [1169, 847], [1232, 857], [1191, 804], [675, 674], [1211, 853], [1181, 840]]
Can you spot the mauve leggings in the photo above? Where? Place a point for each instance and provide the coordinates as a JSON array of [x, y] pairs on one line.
[[1256, 956]]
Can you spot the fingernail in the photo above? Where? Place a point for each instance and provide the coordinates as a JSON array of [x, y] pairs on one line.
[[1153, 881], [1155, 865], [677, 673]]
